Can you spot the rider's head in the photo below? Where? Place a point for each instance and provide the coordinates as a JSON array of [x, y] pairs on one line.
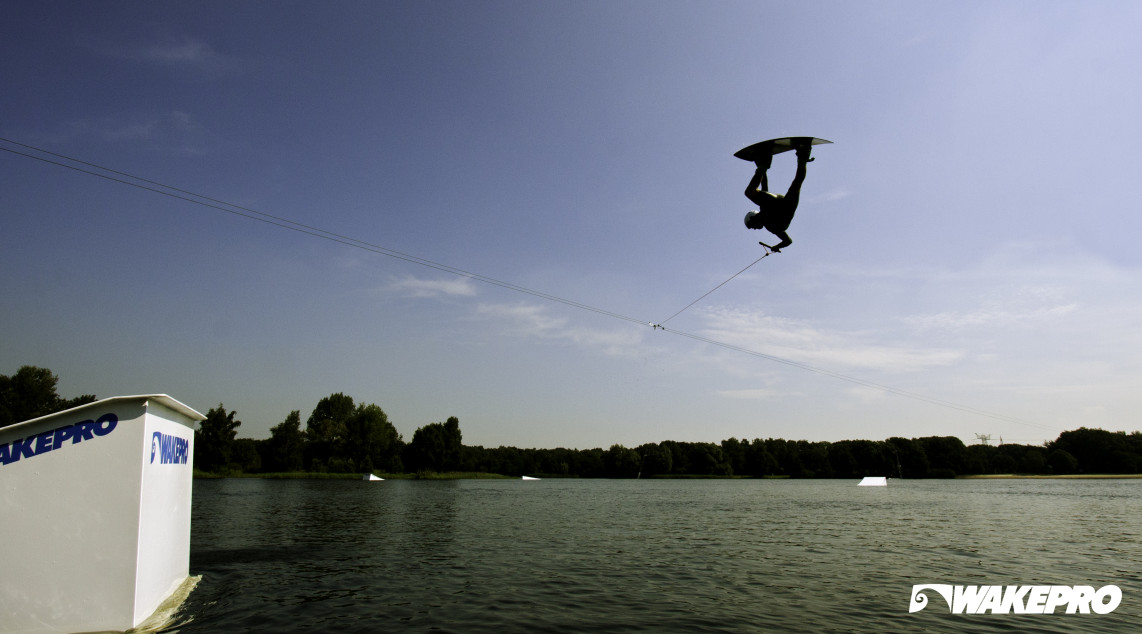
[[753, 220]]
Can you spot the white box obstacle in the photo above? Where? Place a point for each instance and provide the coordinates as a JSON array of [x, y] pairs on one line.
[[95, 513]]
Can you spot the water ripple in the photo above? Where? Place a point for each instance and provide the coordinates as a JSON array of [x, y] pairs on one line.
[[635, 556]]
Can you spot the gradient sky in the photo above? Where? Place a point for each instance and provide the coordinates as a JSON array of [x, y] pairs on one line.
[[970, 237]]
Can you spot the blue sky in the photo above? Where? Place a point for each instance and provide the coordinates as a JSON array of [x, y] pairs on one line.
[[969, 237]]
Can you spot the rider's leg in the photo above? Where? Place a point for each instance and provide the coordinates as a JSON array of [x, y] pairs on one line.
[[754, 182], [794, 195], [763, 162], [762, 198]]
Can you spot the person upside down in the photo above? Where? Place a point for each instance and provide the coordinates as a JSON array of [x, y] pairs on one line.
[[774, 211]]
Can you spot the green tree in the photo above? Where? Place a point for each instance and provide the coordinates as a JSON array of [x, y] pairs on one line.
[[214, 439], [1034, 461], [589, 463], [977, 459], [1061, 462], [759, 462], [842, 460], [678, 456], [1007, 457], [556, 461], [734, 451], [622, 462], [439, 447], [815, 458], [1002, 462], [244, 456], [31, 393], [372, 441], [706, 458], [1100, 451], [453, 444], [909, 455], [474, 458], [286, 446], [946, 455], [656, 459], [326, 432], [426, 450]]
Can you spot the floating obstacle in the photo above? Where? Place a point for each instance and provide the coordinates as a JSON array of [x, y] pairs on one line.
[[95, 513], [372, 478], [873, 481], [528, 478]]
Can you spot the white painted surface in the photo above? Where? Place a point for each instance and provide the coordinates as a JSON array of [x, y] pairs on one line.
[[97, 532], [874, 481]]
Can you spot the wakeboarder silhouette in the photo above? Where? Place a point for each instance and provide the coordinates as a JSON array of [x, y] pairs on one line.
[[774, 211]]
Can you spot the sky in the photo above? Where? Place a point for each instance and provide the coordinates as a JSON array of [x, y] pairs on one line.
[[964, 257]]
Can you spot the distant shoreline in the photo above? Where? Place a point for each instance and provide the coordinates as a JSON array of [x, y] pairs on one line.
[[317, 475], [1073, 476], [454, 475]]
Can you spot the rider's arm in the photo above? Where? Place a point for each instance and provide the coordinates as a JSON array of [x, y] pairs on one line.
[[785, 240]]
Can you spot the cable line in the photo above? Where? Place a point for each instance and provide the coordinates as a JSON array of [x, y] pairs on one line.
[[663, 322], [284, 223], [870, 384]]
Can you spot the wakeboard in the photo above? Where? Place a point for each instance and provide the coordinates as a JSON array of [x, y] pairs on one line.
[[776, 146]]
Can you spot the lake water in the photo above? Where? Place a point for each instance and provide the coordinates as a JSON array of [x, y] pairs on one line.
[[650, 555]]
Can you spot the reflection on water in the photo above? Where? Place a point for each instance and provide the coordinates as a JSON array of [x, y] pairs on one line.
[[649, 555]]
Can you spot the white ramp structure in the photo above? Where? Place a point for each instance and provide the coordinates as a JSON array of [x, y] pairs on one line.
[[873, 481], [95, 513], [372, 478], [528, 478]]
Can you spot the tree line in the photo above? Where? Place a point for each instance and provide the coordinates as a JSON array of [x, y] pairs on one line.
[[341, 436], [31, 393]]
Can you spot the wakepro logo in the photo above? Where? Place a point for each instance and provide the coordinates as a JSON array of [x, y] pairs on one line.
[[57, 438], [1019, 599], [169, 449]]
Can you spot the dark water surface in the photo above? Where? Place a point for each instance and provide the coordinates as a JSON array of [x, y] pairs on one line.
[[650, 555]]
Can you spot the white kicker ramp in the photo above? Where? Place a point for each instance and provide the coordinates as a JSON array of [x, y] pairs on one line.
[[95, 513]]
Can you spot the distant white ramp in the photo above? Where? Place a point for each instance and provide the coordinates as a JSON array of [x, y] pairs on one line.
[[372, 478], [528, 478], [874, 481]]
